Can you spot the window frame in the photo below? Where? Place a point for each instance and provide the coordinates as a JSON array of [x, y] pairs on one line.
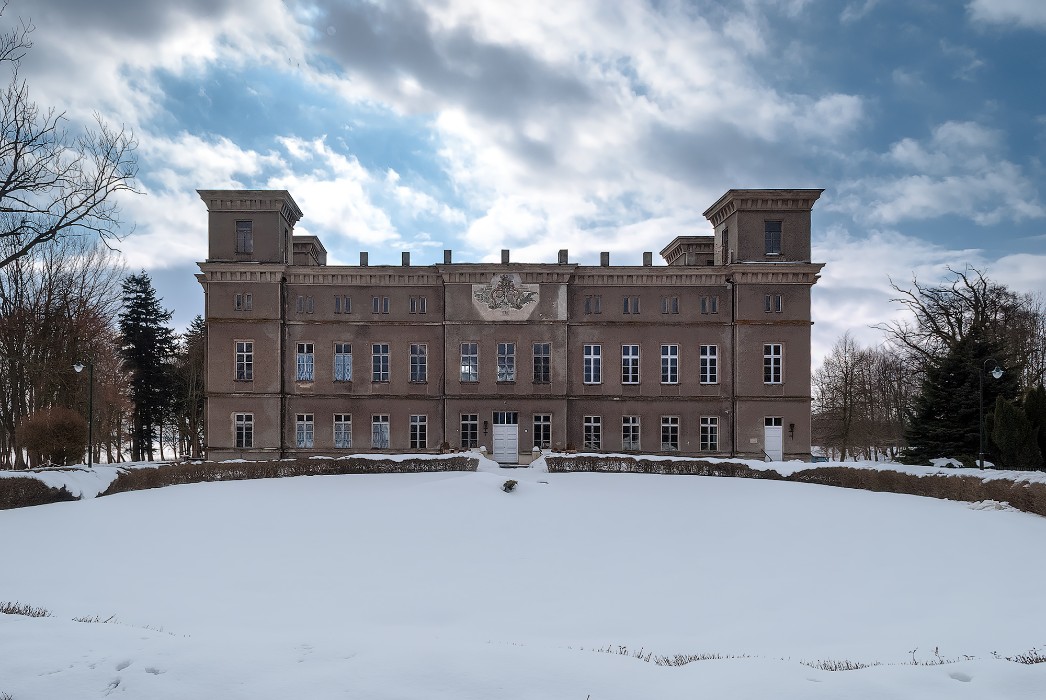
[[593, 304], [670, 305], [243, 430], [305, 361], [592, 432], [670, 433], [630, 364], [377, 421], [709, 364], [542, 354], [342, 304], [542, 423], [709, 431], [381, 371], [419, 363], [305, 431], [670, 363], [418, 304], [773, 233], [342, 431], [469, 362], [506, 367], [630, 304], [592, 363], [243, 360], [469, 430], [419, 432], [631, 432], [244, 236], [773, 363], [342, 370], [379, 305]]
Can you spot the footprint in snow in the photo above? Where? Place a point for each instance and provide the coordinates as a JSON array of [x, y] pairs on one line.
[[123, 664], [960, 676]]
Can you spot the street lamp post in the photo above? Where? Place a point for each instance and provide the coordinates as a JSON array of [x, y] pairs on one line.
[[79, 367], [996, 373]]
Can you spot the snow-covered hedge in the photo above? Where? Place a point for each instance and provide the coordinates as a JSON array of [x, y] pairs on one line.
[[197, 472], [1028, 496], [20, 491]]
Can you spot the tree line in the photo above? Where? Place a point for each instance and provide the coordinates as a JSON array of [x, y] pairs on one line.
[[930, 389]]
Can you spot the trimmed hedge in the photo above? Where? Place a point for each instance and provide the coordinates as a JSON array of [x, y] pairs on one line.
[[21, 491], [1027, 497], [199, 472]]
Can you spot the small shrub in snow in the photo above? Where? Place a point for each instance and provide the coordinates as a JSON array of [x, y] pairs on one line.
[[1032, 656], [22, 491], [844, 665], [509, 486], [15, 608]]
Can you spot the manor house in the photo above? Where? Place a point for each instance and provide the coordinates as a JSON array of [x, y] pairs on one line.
[[708, 354]]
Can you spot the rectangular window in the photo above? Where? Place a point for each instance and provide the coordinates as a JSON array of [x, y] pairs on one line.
[[772, 230], [630, 304], [342, 430], [244, 302], [419, 432], [630, 364], [593, 432], [629, 432], [379, 305], [709, 305], [306, 363], [245, 360], [419, 363], [343, 362], [244, 424], [669, 433], [379, 362], [342, 304], [593, 304], [419, 305], [469, 430], [305, 305], [669, 364], [710, 433], [506, 362], [304, 430], [543, 431], [773, 303], [669, 305], [244, 236], [778, 303], [772, 355], [379, 432], [593, 367], [542, 363], [470, 362], [709, 364]]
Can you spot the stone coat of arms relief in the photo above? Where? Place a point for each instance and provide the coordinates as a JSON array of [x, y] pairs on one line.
[[505, 297]]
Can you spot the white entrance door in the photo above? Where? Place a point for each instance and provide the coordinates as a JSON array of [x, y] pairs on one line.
[[506, 437], [773, 437]]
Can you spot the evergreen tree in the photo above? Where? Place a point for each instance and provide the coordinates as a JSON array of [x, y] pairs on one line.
[[1035, 410], [946, 420], [189, 388], [148, 351], [1014, 437]]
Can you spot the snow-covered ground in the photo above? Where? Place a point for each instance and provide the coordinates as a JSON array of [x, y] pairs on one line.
[[443, 586]]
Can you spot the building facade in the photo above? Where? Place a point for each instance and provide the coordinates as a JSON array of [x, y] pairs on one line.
[[707, 355]]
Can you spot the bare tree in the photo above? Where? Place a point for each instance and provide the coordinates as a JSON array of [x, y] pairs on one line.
[[54, 183]]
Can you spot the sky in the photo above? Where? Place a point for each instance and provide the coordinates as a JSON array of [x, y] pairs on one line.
[[592, 126]]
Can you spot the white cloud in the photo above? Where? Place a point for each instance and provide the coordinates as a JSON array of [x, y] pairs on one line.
[[960, 170], [1030, 14]]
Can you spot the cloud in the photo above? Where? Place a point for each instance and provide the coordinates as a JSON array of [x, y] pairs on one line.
[[960, 170], [1029, 14]]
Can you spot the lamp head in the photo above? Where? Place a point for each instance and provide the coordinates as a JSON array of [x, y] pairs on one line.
[[79, 367], [997, 372]]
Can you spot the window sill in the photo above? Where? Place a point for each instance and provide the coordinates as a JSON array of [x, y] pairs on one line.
[[418, 381], [544, 382], [379, 381], [244, 381], [469, 381], [505, 382]]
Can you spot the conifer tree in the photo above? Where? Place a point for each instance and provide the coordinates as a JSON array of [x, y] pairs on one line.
[[148, 353], [189, 388], [1035, 410], [1014, 437]]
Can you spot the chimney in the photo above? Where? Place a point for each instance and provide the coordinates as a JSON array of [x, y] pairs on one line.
[[405, 259], [363, 258], [604, 259], [447, 256], [504, 256], [648, 259], [563, 257]]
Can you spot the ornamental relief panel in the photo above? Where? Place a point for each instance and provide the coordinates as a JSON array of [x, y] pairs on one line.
[[505, 298]]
